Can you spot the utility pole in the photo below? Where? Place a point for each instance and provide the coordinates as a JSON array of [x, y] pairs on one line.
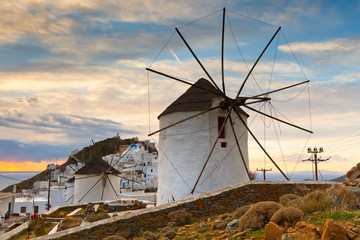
[[314, 151], [49, 190], [264, 171]]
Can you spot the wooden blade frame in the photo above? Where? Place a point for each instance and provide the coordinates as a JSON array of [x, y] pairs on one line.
[[238, 146], [183, 81], [257, 60], [211, 151], [112, 186], [269, 116], [171, 125], [257, 141], [197, 59], [90, 189], [222, 52]]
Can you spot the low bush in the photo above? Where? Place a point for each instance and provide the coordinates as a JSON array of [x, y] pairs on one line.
[[114, 237], [240, 211], [287, 198], [258, 215], [149, 235], [343, 198], [40, 227], [315, 201], [97, 217], [180, 217], [287, 216], [69, 222], [219, 224]]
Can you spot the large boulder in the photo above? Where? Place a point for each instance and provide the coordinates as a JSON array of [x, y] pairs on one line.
[[333, 230], [273, 231]]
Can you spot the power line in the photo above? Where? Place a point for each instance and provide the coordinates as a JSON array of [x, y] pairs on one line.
[[12, 178]]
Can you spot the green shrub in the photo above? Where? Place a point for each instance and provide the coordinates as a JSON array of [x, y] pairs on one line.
[[258, 215], [287, 216]]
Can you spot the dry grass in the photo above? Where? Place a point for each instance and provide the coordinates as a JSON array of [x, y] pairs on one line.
[[149, 235], [258, 215], [97, 217], [336, 198], [315, 201], [69, 222], [285, 199], [240, 211], [114, 237], [180, 217], [287, 216], [343, 198]]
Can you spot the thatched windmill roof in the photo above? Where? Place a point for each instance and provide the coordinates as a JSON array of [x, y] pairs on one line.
[[196, 98], [97, 166]]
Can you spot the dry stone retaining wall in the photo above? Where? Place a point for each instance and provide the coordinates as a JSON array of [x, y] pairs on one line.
[[201, 206]]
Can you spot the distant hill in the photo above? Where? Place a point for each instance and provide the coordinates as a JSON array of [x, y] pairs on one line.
[[339, 179], [86, 155]]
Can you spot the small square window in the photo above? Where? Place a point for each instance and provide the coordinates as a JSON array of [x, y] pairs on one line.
[[23, 209], [223, 144]]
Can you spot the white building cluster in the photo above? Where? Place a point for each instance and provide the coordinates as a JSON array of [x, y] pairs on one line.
[[138, 167], [100, 180]]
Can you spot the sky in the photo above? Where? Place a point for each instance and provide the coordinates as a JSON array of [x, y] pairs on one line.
[[72, 71]]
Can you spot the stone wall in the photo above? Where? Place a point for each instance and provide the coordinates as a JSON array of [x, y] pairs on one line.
[[201, 206]]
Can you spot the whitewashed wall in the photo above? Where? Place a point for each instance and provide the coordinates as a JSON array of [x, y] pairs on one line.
[[29, 203], [187, 146], [83, 183], [4, 204]]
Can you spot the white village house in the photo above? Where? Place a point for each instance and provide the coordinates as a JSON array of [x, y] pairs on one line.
[[138, 164], [96, 181], [7, 201], [186, 146]]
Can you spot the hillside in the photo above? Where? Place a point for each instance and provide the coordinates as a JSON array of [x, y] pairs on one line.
[[87, 154]]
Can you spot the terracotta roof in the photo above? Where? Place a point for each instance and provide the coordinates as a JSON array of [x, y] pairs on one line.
[[96, 166], [197, 98]]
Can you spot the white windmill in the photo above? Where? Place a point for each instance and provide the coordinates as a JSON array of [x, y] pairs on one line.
[[204, 161]]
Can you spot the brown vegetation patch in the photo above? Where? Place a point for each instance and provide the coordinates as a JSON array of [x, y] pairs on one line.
[[240, 211], [97, 217], [69, 222], [258, 215], [287, 198], [287, 216], [180, 217]]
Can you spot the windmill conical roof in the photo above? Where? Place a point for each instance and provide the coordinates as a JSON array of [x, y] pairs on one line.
[[97, 166], [196, 98]]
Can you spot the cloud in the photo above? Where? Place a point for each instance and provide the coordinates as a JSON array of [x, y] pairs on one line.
[[71, 128], [16, 151]]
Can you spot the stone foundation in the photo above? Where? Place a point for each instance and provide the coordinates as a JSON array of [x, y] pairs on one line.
[[201, 206]]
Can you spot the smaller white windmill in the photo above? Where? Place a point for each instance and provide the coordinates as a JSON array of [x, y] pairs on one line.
[[96, 181]]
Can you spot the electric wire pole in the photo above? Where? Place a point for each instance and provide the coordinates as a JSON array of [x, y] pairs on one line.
[[264, 171], [314, 151]]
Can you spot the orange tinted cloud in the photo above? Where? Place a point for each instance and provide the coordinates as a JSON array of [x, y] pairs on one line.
[[25, 166]]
